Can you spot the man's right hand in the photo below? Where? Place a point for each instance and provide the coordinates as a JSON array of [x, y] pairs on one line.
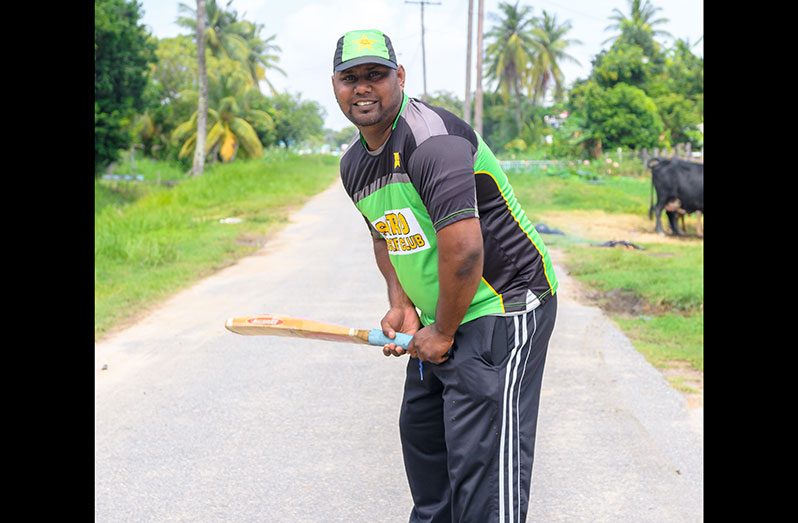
[[399, 319]]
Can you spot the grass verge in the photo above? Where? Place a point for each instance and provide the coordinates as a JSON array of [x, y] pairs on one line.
[[655, 295], [151, 240]]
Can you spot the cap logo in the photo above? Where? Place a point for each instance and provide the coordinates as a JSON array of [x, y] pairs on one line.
[[365, 42]]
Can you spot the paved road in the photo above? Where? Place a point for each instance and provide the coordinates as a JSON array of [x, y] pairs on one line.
[[193, 423]]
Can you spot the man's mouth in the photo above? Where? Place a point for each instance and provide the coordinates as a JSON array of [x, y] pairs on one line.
[[365, 103]]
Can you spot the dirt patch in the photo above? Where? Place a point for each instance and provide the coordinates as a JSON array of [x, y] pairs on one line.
[[251, 240], [686, 380], [627, 303], [600, 226]]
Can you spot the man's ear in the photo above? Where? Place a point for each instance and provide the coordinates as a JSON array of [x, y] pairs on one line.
[[400, 73]]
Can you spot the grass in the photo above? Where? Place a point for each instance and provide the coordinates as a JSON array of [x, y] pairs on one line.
[[152, 240], [665, 280]]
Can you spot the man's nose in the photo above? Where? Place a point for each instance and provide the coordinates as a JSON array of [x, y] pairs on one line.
[[363, 87]]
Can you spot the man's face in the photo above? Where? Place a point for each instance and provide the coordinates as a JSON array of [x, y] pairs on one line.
[[369, 94]]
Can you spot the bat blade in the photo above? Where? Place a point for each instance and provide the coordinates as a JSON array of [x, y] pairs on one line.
[[280, 325]]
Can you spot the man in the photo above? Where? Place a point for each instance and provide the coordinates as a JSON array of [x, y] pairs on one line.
[[455, 246]]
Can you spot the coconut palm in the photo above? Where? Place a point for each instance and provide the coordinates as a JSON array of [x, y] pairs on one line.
[[550, 45], [509, 53], [230, 121], [239, 40], [261, 55], [223, 30], [638, 27]]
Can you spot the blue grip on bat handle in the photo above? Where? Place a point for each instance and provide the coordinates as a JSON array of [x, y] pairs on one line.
[[376, 337]]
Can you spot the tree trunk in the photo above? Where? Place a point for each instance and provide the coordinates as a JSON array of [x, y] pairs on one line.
[[467, 103], [517, 107], [478, 97], [202, 106], [597, 148]]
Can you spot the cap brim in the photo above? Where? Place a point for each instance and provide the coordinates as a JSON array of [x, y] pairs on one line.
[[364, 60]]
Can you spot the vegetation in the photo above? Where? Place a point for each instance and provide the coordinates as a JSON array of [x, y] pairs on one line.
[[121, 53], [655, 294], [158, 113], [151, 240]]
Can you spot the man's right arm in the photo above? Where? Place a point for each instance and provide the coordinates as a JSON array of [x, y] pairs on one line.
[[402, 316]]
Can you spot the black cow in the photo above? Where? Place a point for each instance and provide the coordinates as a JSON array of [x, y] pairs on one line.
[[680, 189]]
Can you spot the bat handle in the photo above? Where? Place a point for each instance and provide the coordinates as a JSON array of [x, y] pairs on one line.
[[376, 337]]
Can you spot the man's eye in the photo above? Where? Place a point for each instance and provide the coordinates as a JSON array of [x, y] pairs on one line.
[[349, 78], [374, 75]]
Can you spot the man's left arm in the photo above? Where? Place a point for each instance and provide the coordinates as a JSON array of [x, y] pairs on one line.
[[460, 255], [442, 170]]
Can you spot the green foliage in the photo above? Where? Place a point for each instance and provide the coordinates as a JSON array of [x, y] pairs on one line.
[[681, 116], [231, 117], [335, 139], [297, 120], [151, 247], [448, 100], [232, 38], [549, 44], [121, 54], [621, 64], [622, 116], [637, 29]]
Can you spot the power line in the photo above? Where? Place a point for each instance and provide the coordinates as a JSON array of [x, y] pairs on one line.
[[422, 3]]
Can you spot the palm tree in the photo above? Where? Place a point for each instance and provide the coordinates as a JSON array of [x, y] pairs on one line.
[[222, 29], [510, 53], [550, 44], [239, 40], [261, 55], [230, 120], [638, 27]]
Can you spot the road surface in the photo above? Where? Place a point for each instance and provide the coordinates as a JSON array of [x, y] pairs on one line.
[[194, 423]]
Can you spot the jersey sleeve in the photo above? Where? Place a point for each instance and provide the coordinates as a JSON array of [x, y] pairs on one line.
[[374, 233], [442, 171]]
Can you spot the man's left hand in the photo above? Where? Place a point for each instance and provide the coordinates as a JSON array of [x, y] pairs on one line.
[[431, 345]]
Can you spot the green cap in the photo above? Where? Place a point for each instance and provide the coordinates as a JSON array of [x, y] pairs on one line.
[[365, 46]]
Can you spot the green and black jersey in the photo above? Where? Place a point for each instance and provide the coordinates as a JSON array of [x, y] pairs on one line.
[[432, 171]]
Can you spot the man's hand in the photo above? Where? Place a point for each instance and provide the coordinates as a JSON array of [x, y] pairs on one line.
[[431, 345], [399, 319]]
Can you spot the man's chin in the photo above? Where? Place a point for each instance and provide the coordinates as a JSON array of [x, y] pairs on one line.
[[365, 120]]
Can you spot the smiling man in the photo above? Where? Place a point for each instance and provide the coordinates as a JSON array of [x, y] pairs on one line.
[[467, 274]]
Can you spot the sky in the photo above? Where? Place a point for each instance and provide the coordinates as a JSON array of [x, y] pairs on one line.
[[308, 30]]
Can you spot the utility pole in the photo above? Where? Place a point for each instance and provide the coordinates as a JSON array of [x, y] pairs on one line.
[[202, 104], [467, 103], [478, 100], [423, 51]]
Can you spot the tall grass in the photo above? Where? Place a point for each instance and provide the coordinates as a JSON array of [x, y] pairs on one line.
[[151, 244]]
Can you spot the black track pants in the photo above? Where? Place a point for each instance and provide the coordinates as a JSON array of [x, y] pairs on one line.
[[468, 429]]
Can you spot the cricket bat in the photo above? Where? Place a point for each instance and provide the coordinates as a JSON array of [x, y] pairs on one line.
[[280, 325]]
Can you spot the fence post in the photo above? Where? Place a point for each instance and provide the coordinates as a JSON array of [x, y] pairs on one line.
[[656, 152], [688, 150]]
